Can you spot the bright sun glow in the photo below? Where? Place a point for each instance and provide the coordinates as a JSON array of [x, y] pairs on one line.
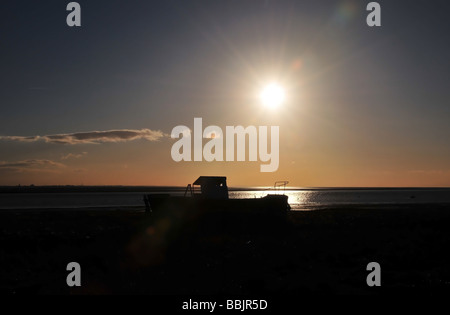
[[272, 95]]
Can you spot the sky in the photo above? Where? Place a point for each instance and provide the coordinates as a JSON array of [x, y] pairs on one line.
[[96, 104]]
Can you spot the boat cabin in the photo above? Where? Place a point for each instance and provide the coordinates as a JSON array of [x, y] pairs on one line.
[[212, 187]]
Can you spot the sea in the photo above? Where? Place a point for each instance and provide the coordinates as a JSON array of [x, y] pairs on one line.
[[300, 199]]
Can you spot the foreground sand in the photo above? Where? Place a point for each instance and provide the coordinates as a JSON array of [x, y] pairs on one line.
[[326, 251]]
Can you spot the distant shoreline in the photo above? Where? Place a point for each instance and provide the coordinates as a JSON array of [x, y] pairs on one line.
[[96, 189]]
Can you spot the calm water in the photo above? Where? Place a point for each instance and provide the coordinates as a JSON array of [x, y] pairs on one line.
[[298, 199]]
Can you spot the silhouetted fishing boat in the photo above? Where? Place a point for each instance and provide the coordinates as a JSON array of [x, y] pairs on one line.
[[212, 198]]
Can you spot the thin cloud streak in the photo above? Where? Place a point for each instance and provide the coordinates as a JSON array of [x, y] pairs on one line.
[[93, 137], [73, 156], [31, 164]]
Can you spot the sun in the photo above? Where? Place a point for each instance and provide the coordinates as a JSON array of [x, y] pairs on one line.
[[272, 95]]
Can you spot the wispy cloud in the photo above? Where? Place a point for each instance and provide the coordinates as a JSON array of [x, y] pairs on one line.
[[429, 172], [30, 165], [21, 139], [38, 88], [73, 156], [93, 137]]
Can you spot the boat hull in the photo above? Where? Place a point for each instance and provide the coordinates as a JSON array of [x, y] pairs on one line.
[[269, 206]]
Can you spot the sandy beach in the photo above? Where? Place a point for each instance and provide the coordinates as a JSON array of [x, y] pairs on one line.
[[324, 251]]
